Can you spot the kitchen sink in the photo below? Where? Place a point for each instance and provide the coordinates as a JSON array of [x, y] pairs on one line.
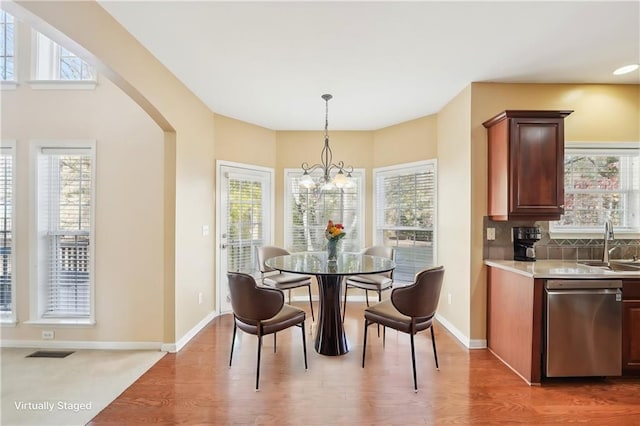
[[614, 265]]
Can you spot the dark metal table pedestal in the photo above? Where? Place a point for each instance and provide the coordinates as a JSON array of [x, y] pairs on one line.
[[330, 336]]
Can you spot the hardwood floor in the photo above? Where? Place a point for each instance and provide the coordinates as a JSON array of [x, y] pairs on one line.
[[196, 385]]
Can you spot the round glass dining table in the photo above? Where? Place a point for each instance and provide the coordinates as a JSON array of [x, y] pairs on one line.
[[330, 337]]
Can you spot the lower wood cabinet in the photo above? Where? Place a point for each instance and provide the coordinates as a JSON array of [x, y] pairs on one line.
[[631, 328]]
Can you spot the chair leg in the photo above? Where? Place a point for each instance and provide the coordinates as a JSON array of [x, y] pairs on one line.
[[379, 300], [258, 365], [413, 361], [384, 335], [233, 340], [364, 344], [289, 302], [435, 352], [366, 295], [274, 342], [313, 318], [304, 347]]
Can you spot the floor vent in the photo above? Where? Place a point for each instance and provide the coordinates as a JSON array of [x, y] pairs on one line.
[[50, 354]]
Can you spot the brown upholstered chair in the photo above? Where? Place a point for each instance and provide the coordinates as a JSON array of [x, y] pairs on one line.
[[374, 282], [410, 309], [261, 311], [281, 280]]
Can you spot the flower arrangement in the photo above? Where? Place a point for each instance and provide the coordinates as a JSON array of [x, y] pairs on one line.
[[334, 231]]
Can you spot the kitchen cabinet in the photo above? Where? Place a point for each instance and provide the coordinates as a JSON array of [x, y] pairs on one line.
[[526, 165], [514, 321], [631, 327]]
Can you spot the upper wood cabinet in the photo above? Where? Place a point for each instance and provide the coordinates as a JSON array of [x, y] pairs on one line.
[[526, 165]]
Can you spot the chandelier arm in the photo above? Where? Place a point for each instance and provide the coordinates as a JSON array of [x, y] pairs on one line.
[[307, 168]]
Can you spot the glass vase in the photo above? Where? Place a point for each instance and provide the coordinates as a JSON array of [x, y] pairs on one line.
[[332, 249]]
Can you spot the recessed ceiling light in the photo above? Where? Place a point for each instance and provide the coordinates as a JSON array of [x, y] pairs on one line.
[[626, 69]]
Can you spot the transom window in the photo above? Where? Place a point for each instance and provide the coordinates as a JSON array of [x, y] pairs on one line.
[[405, 215], [54, 62], [307, 211], [7, 46], [600, 182]]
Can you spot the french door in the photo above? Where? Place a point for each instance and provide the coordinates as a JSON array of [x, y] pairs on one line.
[[244, 221]]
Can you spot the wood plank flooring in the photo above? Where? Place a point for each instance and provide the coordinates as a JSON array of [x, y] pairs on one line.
[[196, 385]]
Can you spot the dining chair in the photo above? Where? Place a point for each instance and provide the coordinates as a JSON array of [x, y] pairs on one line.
[[281, 280], [375, 282], [410, 309], [261, 311]]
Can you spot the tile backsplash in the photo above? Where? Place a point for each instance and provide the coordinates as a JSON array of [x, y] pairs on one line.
[[547, 248]]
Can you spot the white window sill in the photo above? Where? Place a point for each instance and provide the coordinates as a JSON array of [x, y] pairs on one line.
[[8, 322], [63, 84], [9, 85], [83, 322]]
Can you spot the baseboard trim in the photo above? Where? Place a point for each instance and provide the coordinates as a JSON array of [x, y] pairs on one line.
[[469, 343], [81, 344], [175, 347]]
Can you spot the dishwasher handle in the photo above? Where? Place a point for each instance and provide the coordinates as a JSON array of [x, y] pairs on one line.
[[582, 284], [615, 291]]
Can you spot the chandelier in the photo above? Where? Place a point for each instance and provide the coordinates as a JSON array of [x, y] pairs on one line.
[[343, 176]]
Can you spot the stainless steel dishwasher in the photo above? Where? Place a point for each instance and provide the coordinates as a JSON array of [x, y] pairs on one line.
[[583, 328]]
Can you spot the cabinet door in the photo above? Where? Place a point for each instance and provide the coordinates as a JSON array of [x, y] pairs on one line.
[[631, 337], [537, 158]]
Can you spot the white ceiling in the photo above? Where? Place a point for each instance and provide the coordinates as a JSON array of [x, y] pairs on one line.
[[268, 63]]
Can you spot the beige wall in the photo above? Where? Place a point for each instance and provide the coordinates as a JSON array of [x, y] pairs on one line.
[[242, 142], [188, 155], [454, 210], [414, 140], [129, 206]]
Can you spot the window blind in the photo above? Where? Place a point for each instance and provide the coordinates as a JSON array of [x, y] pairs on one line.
[[245, 221], [307, 211], [406, 215], [600, 182], [65, 192], [6, 230]]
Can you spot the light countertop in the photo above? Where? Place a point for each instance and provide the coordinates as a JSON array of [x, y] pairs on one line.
[[558, 269]]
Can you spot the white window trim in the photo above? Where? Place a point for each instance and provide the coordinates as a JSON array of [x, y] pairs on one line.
[[287, 205], [620, 234], [12, 318], [415, 164], [8, 85], [63, 84], [35, 316]]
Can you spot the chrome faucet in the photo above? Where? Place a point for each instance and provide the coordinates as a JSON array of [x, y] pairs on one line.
[[608, 235]]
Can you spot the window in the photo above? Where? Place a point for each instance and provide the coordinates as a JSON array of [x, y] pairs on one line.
[[65, 200], [307, 212], [600, 181], [54, 62], [405, 215], [7, 251], [7, 47]]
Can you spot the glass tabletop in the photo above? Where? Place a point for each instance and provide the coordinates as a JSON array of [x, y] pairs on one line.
[[316, 263]]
